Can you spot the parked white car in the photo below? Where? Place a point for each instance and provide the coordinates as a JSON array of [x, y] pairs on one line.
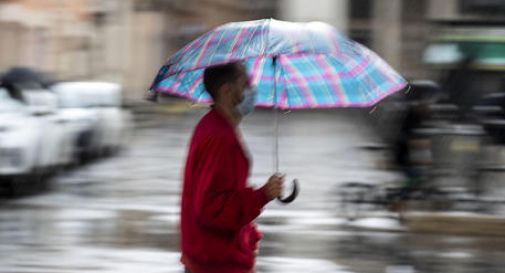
[[31, 140], [18, 137], [80, 119], [93, 110], [56, 147]]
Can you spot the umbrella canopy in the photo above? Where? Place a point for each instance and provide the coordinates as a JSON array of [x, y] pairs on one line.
[[293, 65]]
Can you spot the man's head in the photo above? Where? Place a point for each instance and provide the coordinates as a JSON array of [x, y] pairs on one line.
[[226, 83]]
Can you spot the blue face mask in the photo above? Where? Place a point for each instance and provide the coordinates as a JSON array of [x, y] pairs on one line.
[[246, 106]]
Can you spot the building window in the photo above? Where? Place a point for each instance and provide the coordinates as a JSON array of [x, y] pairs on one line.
[[361, 36], [149, 5], [482, 6], [360, 9]]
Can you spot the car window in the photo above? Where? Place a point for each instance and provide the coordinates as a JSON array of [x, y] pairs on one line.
[[28, 85], [71, 96], [39, 98]]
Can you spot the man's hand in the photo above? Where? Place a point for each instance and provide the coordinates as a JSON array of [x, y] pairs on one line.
[[273, 187]]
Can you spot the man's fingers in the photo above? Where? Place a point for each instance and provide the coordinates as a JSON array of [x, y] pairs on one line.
[[274, 185], [279, 179]]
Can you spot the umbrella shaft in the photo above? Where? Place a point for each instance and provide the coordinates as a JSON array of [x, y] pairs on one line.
[[276, 140], [276, 118]]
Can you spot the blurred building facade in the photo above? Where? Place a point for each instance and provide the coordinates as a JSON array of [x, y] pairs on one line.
[[333, 12], [167, 25], [397, 30], [393, 28], [126, 41], [123, 41], [45, 34]]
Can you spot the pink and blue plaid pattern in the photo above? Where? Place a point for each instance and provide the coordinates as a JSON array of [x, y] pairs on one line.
[[293, 65]]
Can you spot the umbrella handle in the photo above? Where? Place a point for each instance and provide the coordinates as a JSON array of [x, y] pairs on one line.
[[292, 196]]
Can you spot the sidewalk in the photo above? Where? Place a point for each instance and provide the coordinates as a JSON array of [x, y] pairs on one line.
[[452, 223], [457, 223]]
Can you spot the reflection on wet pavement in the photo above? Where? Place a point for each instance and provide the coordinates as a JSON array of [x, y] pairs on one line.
[[121, 214], [284, 265]]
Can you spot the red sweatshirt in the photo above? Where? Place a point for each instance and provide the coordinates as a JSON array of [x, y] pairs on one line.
[[217, 210]]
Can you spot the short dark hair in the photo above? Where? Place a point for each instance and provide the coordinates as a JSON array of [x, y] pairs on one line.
[[215, 76]]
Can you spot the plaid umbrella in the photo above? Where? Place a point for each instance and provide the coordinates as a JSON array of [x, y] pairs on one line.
[[293, 66]]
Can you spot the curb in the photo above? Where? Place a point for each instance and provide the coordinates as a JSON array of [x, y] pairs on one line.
[[455, 223]]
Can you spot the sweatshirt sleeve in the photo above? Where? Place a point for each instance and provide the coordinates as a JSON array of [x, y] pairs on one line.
[[218, 204]]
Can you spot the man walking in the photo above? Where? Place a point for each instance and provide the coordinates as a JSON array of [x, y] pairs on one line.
[[218, 208]]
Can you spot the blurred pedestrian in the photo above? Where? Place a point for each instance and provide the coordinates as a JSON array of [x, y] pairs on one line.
[[218, 208], [412, 153]]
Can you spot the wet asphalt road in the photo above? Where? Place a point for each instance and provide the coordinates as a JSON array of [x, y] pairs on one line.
[[121, 214]]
